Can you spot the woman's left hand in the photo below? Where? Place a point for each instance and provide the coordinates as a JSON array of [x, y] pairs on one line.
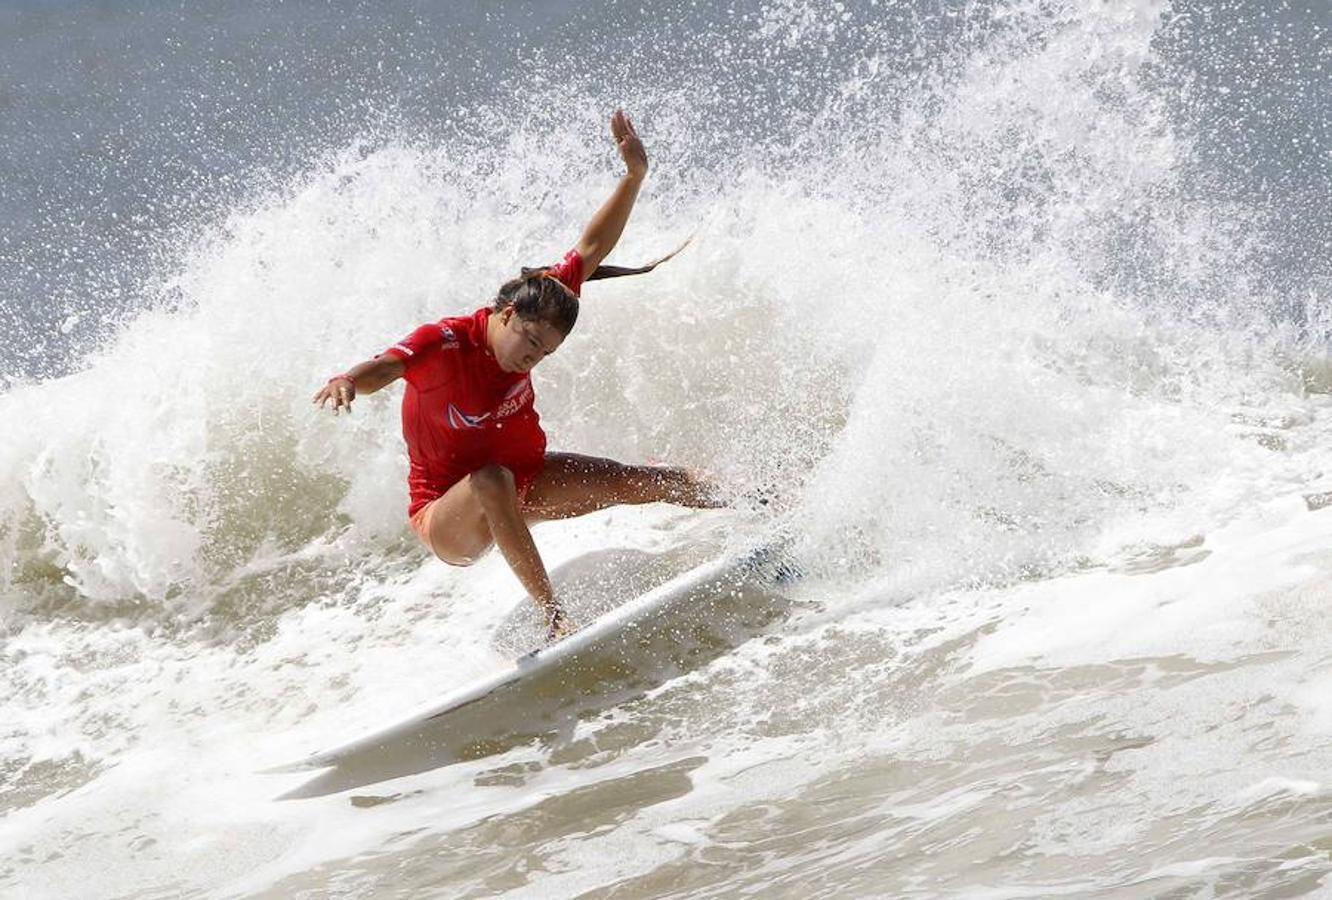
[[631, 148], [558, 625]]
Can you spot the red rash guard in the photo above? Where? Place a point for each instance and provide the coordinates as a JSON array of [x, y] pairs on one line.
[[461, 411]]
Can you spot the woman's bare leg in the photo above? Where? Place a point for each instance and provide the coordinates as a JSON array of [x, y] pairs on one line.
[[570, 485], [483, 508], [575, 485]]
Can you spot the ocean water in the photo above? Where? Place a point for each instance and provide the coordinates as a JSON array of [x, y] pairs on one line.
[[1019, 307]]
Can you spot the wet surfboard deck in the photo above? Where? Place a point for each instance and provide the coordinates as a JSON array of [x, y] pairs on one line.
[[675, 626]]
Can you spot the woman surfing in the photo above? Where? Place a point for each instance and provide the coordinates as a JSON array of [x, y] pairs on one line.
[[480, 474]]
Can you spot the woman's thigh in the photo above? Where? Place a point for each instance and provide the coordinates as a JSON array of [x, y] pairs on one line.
[[456, 524]]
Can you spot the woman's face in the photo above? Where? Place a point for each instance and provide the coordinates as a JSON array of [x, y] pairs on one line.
[[522, 343]]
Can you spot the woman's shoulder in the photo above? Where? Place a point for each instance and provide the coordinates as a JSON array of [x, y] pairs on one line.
[[468, 331]]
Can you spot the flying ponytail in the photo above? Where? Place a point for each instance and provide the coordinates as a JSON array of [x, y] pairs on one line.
[[602, 272], [537, 294]]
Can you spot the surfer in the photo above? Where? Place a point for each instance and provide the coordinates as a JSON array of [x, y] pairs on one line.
[[480, 473]]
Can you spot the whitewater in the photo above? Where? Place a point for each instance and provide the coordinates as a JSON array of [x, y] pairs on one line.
[[1042, 386]]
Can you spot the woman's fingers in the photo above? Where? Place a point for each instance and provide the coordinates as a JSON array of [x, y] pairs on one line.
[[627, 141], [558, 625], [622, 127], [338, 394]]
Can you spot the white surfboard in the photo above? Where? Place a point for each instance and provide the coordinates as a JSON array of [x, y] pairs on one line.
[[671, 628]]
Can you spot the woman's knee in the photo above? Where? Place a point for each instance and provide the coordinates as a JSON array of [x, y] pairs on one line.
[[462, 549], [462, 560], [646, 484]]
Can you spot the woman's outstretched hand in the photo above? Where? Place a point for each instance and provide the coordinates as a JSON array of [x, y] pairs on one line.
[[341, 390], [631, 148]]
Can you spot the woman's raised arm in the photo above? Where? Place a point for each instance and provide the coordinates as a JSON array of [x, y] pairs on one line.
[[603, 232]]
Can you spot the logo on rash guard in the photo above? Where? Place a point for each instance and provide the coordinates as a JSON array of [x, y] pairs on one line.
[[459, 419], [518, 396]]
